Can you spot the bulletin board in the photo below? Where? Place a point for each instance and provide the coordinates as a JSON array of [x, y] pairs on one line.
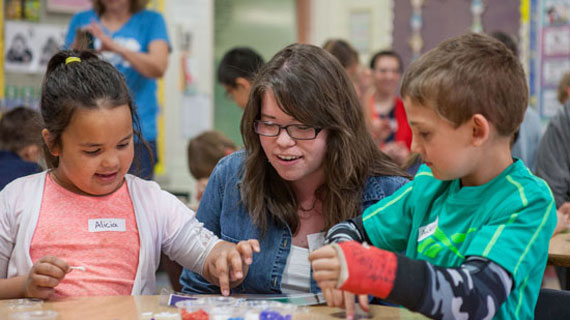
[[553, 49]]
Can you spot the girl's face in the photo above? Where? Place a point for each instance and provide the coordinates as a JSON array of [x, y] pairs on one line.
[[96, 150], [297, 161]]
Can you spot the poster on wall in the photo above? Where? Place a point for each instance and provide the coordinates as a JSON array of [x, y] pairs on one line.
[[554, 49], [361, 30], [29, 46]]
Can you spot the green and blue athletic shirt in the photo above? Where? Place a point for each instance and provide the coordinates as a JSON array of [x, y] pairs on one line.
[[505, 223]]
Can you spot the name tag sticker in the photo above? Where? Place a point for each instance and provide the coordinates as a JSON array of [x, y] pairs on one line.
[[100, 225], [316, 240], [427, 230]]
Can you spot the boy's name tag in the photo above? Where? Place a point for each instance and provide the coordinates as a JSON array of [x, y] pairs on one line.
[[316, 240], [99, 225], [427, 230]]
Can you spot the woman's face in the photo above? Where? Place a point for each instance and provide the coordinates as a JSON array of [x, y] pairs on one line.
[[113, 5], [297, 161]]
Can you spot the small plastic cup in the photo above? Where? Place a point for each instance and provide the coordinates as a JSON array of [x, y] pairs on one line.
[[35, 315], [254, 307], [221, 301], [166, 316], [227, 313], [25, 304], [267, 310], [283, 311], [197, 309]]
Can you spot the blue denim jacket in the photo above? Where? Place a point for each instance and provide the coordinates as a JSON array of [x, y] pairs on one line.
[[223, 213]]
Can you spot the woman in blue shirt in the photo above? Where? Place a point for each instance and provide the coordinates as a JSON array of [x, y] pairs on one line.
[[136, 42], [309, 162]]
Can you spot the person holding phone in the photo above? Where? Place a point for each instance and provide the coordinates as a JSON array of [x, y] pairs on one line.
[[136, 42]]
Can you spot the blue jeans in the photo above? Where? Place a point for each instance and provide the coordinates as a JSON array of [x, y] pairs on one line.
[[143, 163]]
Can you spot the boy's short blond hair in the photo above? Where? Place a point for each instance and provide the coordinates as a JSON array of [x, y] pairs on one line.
[[467, 75], [205, 150]]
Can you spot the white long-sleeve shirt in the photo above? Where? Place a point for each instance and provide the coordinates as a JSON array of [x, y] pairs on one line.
[[164, 223]]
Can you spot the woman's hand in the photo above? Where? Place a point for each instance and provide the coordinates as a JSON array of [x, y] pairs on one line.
[[107, 44], [44, 276], [326, 271], [228, 263], [151, 64]]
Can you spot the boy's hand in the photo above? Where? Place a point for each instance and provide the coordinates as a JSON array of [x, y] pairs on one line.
[[326, 271], [44, 276], [326, 267], [229, 263]]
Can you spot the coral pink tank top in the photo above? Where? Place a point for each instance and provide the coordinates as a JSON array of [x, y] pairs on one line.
[[98, 233]]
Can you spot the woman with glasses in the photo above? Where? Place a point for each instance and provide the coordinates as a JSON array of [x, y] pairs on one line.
[[309, 162]]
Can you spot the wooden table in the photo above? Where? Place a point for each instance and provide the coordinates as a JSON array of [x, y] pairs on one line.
[[559, 256], [134, 307], [559, 250]]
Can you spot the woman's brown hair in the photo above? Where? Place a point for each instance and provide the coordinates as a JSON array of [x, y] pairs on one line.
[[310, 85], [134, 5]]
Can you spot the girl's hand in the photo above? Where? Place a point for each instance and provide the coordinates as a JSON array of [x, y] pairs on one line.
[[326, 271], [228, 264], [44, 276]]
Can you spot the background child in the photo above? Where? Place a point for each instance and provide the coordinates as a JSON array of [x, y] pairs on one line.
[[87, 211], [204, 151], [236, 72], [20, 144], [474, 224], [553, 158]]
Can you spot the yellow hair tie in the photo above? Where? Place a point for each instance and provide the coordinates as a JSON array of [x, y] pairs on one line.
[[68, 60]]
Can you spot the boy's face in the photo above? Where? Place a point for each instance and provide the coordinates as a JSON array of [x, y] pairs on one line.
[[240, 92], [447, 150]]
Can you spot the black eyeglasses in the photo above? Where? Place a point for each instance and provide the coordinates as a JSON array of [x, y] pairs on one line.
[[295, 131]]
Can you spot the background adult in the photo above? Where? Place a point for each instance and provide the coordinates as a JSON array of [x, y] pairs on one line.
[[135, 41], [387, 117]]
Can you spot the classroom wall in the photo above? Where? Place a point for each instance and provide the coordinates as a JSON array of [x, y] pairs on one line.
[[445, 19], [185, 115], [34, 80], [336, 19], [263, 25]]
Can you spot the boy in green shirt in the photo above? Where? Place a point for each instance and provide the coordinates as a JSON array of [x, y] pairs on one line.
[[468, 237]]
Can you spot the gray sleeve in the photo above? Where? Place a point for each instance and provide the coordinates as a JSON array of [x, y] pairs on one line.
[[553, 160], [474, 290]]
